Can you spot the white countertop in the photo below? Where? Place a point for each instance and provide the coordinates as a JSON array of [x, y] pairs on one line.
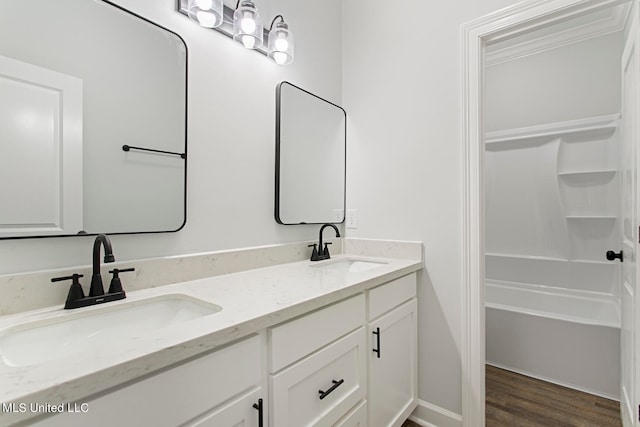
[[251, 301]]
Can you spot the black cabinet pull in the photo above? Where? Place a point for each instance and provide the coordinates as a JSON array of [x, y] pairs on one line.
[[335, 385], [377, 334], [258, 406]]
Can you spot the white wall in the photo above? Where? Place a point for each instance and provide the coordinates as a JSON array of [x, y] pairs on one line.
[[231, 139], [576, 81], [401, 89]]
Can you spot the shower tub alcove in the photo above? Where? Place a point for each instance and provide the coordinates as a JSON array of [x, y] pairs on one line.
[[557, 335], [552, 212]]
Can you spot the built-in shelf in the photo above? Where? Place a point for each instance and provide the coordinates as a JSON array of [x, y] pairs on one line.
[[592, 217], [589, 261], [525, 257], [553, 130], [547, 259], [605, 173]]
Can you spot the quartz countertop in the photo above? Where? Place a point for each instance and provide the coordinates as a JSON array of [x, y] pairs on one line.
[[251, 301]]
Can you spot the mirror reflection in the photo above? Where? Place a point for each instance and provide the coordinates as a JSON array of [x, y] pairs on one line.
[[79, 79], [310, 158]]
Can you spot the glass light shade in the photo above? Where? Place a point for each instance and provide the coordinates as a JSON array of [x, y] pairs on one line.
[[281, 46], [207, 13], [247, 25]]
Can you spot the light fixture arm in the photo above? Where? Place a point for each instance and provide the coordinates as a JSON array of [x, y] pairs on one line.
[[274, 21]]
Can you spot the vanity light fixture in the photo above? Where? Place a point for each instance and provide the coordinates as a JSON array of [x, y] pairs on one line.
[[207, 13], [244, 25], [280, 47], [247, 25]]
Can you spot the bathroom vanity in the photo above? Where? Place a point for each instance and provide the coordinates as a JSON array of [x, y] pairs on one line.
[[300, 343]]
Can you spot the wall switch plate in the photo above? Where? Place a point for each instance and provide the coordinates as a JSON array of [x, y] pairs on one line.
[[352, 218], [338, 215]]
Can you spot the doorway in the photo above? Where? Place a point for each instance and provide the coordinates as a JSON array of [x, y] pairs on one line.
[[514, 23], [552, 202]]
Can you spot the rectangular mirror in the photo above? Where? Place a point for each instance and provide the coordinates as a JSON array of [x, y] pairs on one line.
[[80, 79], [311, 143]]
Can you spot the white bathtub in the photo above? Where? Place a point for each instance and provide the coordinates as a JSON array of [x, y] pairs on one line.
[[563, 336]]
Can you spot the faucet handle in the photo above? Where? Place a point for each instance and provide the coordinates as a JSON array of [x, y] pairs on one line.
[[116, 284], [73, 277], [75, 291], [314, 254], [325, 252]]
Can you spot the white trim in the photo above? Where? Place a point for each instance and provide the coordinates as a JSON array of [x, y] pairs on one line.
[[500, 25], [613, 23], [427, 414], [472, 346]]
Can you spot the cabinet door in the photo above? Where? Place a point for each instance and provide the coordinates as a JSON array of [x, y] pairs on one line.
[[356, 418], [174, 396], [239, 413], [393, 366]]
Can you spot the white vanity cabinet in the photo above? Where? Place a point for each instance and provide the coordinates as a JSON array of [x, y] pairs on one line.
[[334, 347], [318, 366], [216, 389], [392, 358], [318, 369]]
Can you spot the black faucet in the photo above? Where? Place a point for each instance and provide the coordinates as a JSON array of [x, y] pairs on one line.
[[319, 253], [96, 280], [76, 297]]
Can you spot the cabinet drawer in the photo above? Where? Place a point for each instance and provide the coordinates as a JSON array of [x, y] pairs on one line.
[[339, 371], [177, 395], [356, 418], [294, 340], [390, 295]]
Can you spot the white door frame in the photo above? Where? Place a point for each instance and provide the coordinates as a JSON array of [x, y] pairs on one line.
[[475, 35]]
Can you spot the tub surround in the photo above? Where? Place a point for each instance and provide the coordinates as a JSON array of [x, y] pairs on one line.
[[553, 211], [257, 288], [553, 204]]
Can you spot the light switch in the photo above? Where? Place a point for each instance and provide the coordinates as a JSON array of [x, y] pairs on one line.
[[352, 218]]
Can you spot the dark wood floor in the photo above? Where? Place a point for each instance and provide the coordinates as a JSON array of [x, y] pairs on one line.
[[518, 400], [515, 400]]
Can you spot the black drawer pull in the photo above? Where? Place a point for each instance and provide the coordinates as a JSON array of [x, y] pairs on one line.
[[258, 406], [377, 334], [335, 385]]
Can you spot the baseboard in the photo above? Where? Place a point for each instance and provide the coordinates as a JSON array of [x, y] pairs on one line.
[[429, 415]]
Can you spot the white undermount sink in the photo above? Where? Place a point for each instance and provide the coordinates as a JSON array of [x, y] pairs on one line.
[[348, 265], [96, 327]]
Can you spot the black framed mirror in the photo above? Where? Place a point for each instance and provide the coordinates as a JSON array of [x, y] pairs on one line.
[[79, 81], [311, 147]]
